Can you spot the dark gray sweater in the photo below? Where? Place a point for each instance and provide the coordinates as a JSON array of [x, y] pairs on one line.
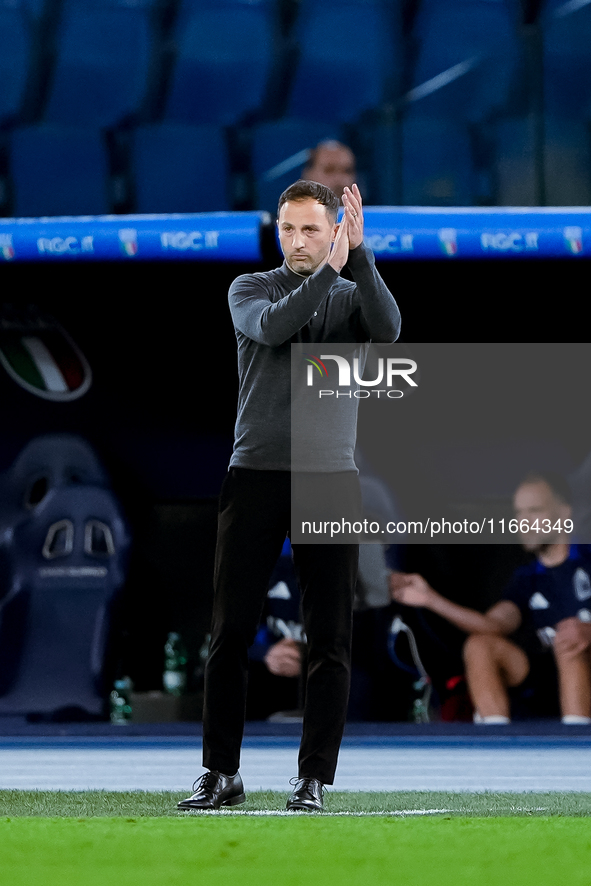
[[273, 309]]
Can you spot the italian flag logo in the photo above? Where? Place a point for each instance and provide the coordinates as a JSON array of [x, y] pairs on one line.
[[41, 357]]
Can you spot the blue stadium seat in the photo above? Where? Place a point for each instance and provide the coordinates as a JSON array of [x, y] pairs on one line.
[[15, 48], [467, 58], [566, 34], [69, 561], [35, 8], [47, 462], [68, 552], [58, 170], [481, 36], [180, 168], [437, 163], [225, 53], [103, 58], [566, 31], [350, 59], [279, 153]]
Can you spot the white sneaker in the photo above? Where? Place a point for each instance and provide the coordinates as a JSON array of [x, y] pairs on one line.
[[491, 720]]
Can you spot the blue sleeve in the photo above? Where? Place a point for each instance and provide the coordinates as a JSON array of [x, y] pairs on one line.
[[519, 589]]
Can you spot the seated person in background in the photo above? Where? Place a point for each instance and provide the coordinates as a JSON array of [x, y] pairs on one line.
[[551, 595], [276, 656], [332, 164]]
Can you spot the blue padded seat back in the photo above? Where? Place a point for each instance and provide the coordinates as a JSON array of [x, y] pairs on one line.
[[15, 47], [479, 35], [180, 168], [59, 170], [225, 52], [103, 57], [566, 36], [69, 561], [350, 55], [437, 163]]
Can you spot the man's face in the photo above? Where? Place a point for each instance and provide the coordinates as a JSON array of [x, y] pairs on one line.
[[536, 501], [305, 233], [333, 167]]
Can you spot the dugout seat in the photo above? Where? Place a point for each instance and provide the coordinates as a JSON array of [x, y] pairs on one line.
[[59, 170], [67, 556], [180, 168], [48, 462]]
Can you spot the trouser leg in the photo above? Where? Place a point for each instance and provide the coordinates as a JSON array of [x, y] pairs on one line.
[[252, 524], [327, 576]]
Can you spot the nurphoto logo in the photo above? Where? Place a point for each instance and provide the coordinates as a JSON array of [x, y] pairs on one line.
[[389, 371]]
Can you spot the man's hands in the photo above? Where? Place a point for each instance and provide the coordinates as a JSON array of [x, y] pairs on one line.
[[354, 215], [410, 589], [572, 637], [284, 658], [350, 232]]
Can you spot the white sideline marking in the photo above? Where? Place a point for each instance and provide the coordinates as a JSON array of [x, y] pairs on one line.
[[324, 814]]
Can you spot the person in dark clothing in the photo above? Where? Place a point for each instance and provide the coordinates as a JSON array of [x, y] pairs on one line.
[[305, 300]]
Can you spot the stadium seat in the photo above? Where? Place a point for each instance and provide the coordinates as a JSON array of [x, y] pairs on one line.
[[350, 59], [279, 153], [46, 462], [58, 170], [437, 163], [103, 58], [67, 560], [180, 168], [467, 57], [225, 53], [566, 35], [15, 48]]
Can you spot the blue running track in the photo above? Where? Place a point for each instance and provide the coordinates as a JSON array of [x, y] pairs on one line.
[[421, 759]]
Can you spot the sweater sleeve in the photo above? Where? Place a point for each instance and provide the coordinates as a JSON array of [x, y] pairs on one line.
[[380, 316], [270, 322]]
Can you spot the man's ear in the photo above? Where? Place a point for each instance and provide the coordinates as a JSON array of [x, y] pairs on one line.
[[334, 232]]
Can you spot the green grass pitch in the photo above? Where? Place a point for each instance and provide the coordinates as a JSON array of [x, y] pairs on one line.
[[408, 839]]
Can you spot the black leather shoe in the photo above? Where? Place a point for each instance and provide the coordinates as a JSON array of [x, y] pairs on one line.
[[307, 795], [213, 790]]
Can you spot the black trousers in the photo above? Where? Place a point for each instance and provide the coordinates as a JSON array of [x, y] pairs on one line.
[[254, 518]]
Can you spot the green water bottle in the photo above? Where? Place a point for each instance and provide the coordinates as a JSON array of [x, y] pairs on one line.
[[174, 678], [120, 701]]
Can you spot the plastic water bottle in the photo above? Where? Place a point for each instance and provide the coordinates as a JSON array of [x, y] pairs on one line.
[[174, 678], [120, 701], [420, 708]]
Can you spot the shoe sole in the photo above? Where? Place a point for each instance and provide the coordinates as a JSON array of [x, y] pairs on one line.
[[232, 801], [294, 808], [235, 801]]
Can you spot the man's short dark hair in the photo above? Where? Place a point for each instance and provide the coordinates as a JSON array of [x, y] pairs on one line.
[[307, 190], [556, 481]]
